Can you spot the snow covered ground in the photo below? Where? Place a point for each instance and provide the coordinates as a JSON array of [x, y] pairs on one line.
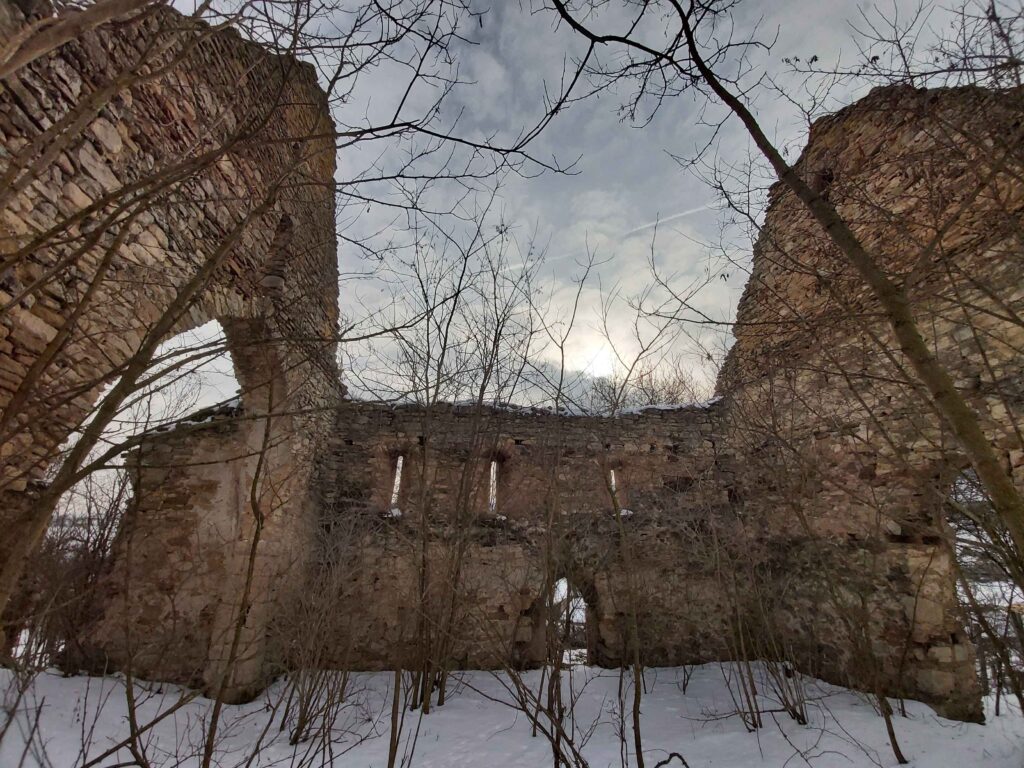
[[477, 727]]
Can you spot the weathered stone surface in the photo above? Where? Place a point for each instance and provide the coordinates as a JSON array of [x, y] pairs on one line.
[[135, 156], [841, 444], [803, 512]]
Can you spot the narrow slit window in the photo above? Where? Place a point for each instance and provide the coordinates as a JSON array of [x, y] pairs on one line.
[[492, 499], [613, 485], [397, 485]]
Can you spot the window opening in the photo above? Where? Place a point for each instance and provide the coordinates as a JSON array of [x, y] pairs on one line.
[[613, 484], [492, 499], [396, 488]]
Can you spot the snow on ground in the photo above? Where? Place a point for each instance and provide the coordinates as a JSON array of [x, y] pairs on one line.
[[478, 728]]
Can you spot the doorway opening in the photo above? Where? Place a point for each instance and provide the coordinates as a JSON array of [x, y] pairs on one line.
[[568, 622]]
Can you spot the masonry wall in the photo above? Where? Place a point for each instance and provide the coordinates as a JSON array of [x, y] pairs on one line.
[[803, 510], [138, 157], [171, 601], [554, 517], [231, 125], [844, 451], [480, 602], [831, 504], [706, 553]]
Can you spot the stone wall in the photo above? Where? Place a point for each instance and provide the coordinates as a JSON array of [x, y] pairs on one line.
[[799, 517], [171, 600], [554, 517], [824, 478], [717, 565], [842, 447], [139, 157]]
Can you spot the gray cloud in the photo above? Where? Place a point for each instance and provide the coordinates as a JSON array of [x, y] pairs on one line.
[[625, 187]]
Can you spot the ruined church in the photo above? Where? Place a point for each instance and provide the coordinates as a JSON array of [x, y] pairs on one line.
[[803, 507]]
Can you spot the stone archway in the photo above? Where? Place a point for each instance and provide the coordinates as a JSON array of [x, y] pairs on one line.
[[575, 619], [200, 191]]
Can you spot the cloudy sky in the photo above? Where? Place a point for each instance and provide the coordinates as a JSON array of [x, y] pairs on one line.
[[624, 178]]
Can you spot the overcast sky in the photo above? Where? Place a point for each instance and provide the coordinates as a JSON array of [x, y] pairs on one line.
[[624, 179]]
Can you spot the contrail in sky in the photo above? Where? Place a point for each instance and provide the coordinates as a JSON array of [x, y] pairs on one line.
[[673, 217]]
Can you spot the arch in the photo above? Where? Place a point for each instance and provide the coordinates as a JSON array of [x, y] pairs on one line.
[[573, 620], [566, 618], [229, 239]]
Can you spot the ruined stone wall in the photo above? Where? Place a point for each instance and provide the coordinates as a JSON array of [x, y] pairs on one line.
[[803, 512], [203, 131], [173, 559], [554, 517], [720, 563], [843, 449], [715, 557], [171, 600], [828, 514], [138, 157]]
